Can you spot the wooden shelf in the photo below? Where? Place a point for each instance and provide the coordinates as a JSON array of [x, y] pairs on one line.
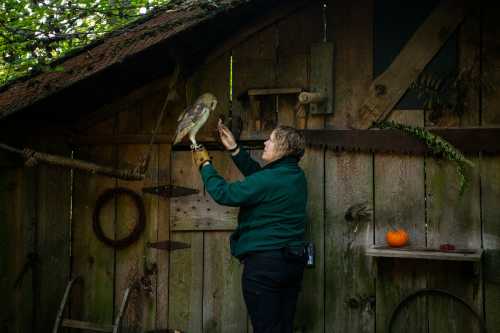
[[425, 253], [273, 91]]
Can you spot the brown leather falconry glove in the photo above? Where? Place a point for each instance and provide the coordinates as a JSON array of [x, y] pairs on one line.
[[200, 156]]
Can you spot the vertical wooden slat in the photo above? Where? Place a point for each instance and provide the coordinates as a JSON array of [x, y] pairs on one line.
[[399, 202], [163, 233], [452, 218], [7, 268], [92, 259], [7, 265], [490, 165], [186, 265], [296, 33], [349, 290], [131, 260], [469, 61], [134, 262], [349, 285], [17, 215], [310, 307], [53, 236], [350, 28], [223, 306], [158, 174], [130, 118], [254, 63]]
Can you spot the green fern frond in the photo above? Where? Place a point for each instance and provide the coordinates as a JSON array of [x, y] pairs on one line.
[[438, 147]]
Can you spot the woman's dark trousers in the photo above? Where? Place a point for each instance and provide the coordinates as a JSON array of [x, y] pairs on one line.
[[271, 283]]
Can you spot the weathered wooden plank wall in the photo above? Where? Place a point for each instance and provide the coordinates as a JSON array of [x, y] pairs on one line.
[[223, 306], [490, 166], [451, 217], [349, 284], [400, 202], [92, 259], [17, 218], [254, 66], [296, 35], [198, 289], [52, 236], [37, 229], [186, 266]]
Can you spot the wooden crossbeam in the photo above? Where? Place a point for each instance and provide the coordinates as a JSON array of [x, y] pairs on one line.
[[84, 325], [390, 86]]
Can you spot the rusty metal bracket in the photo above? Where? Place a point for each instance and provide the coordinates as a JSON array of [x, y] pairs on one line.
[[468, 140], [170, 191]]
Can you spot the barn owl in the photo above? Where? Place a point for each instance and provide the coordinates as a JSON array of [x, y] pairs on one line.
[[194, 117]]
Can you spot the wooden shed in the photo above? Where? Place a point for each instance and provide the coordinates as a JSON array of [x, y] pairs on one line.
[[364, 57]]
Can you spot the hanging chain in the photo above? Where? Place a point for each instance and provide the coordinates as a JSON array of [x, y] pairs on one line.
[[325, 22]]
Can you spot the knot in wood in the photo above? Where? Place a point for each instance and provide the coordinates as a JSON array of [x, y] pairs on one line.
[[353, 302], [380, 89]]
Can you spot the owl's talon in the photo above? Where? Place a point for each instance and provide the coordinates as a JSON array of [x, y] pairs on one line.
[[196, 147]]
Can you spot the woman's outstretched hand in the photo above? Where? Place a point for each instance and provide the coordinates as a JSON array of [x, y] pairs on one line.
[[226, 136]]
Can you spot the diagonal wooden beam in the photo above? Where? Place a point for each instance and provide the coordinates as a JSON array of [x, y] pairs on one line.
[[389, 87]]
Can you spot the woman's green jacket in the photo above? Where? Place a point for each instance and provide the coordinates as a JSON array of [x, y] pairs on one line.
[[272, 201]]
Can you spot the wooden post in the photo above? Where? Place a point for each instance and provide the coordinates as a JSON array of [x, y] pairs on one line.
[[490, 165]]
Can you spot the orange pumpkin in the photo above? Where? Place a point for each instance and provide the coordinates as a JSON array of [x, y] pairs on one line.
[[396, 238]]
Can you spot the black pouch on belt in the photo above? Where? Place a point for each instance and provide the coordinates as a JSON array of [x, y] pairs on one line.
[[294, 253], [309, 254]]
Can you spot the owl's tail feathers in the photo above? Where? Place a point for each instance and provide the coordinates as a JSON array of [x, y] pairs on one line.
[[177, 139]]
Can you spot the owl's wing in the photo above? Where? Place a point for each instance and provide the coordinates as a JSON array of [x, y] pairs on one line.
[[188, 119]]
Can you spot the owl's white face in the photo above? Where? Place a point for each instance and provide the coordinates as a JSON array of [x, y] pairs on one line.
[[271, 151]]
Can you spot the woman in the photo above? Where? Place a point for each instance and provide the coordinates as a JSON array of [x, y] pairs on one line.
[[269, 239]]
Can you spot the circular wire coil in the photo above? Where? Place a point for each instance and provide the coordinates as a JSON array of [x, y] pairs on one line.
[[431, 291], [139, 226]]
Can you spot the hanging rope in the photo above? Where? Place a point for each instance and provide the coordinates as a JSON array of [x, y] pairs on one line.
[[171, 96]]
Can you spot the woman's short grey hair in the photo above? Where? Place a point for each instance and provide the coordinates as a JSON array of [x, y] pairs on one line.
[[290, 141]]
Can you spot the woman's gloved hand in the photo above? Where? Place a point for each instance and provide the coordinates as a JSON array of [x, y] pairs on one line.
[[200, 156], [226, 136]]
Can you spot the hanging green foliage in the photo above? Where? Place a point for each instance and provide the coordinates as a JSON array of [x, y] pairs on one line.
[[449, 93], [35, 33], [438, 146]]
